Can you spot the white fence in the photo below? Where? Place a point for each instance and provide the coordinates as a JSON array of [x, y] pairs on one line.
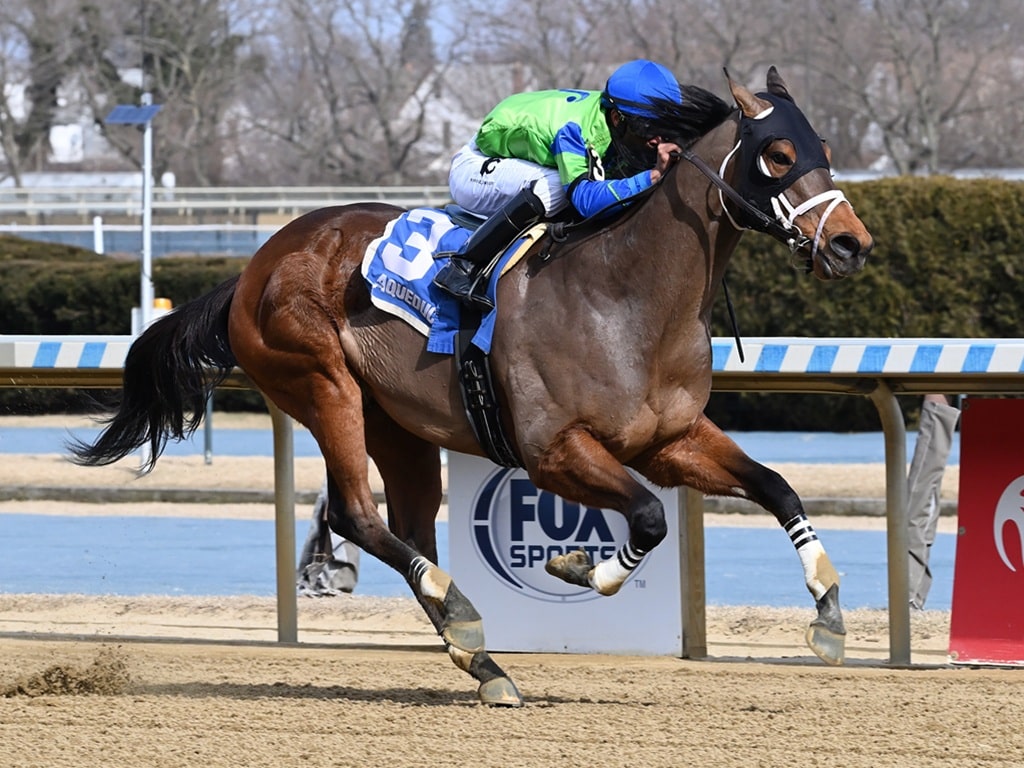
[[232, 221], [226, 239], [39, 203]]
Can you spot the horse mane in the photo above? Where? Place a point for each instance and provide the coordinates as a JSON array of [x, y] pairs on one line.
[[700, 112]]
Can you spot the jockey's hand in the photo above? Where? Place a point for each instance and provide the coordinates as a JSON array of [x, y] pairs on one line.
[[665, 159]]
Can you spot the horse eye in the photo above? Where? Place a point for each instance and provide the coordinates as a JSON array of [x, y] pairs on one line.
[[780, 158]]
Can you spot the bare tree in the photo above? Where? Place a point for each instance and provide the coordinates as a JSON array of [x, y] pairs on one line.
[[577, 45], [697, 39], [13, 74], [34, 64], [189, 55], [382, 91], [906, 85], [346, 91], [562, 45], [904, 73]]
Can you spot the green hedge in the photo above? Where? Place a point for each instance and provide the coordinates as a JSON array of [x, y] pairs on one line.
[[56, 289], [51, 289], [944, 265]]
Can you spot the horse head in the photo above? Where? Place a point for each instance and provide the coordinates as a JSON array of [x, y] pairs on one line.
[[785, 184]]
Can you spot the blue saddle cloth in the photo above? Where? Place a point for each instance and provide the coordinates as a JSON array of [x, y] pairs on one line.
[[399, 268]]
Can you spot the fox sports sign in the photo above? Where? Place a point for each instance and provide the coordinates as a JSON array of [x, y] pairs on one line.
[[517, 528]]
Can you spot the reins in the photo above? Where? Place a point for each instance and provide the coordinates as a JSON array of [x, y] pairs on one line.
[[559, 230], [763, 222]]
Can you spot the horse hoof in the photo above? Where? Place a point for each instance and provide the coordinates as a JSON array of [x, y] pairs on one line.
[[573, 567], [499, 692], [829, 646], [826, 635]]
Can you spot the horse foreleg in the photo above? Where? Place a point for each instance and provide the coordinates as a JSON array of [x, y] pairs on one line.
[[411, 470], [578, 467], [707, 460]]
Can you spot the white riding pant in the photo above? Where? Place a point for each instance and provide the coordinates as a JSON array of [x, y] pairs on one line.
[[482, 184]]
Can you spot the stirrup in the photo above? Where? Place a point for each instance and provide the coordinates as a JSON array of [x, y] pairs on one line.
[[458, 280], [478, 300]]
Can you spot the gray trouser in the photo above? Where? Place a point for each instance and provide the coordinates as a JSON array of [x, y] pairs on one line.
[[924, 483], [328, 564]]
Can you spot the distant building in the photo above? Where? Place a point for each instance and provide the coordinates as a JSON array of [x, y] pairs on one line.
[[75, 139]]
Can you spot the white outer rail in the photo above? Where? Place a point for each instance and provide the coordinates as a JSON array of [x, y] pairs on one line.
[[873, 367], [34, 202], [879, 368]]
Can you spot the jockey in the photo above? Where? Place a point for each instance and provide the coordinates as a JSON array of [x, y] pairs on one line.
[[539, 153]]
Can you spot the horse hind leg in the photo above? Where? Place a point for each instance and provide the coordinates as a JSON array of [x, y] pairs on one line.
[[411, 470], [304, 372], [709, 461], [462, 630], [452, 614]]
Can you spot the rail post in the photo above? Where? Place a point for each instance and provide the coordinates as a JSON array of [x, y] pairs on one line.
[[284, 524], [897, 536]]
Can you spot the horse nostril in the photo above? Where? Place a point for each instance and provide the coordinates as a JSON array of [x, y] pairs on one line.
[[845, 246]]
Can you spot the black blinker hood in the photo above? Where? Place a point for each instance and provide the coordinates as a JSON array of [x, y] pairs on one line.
[[784, 122]]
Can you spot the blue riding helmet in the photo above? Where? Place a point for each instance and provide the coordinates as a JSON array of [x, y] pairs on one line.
[[633, 87]]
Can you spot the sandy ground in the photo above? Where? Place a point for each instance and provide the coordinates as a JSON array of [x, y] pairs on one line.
[[159, 681], [154, 681]]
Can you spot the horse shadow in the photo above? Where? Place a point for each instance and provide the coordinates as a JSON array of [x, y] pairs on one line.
[[305, 691], [404, 696]]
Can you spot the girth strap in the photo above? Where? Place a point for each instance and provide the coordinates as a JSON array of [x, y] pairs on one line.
[[478, 394]]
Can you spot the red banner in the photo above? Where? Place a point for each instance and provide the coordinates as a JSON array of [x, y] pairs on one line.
[[987, 622]]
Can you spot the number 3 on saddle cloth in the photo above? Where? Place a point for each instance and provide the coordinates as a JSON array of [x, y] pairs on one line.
[[399, 267]]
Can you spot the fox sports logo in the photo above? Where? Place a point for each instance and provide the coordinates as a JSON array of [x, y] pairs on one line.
[[517, 529]]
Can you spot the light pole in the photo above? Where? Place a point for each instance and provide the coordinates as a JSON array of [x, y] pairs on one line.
[[129, 114]]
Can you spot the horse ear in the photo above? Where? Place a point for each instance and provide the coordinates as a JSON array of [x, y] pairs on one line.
[[776, 85], [750, 104]]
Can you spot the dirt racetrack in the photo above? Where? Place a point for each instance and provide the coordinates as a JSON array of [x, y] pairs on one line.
[[199, 682], [169, 682]]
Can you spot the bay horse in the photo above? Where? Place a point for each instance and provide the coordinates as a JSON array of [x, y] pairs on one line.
[[601, 360]]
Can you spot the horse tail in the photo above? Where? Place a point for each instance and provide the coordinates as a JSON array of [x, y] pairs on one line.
[[169, 373]]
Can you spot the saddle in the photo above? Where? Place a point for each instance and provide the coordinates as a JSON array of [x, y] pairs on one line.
[[450, 328], [464, 218], [474, 367]]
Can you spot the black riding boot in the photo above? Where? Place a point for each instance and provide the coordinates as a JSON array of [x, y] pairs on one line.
[[463, 276]]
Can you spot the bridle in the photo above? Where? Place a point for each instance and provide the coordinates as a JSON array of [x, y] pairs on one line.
[[761, 199], [781, 229], [778, 221]]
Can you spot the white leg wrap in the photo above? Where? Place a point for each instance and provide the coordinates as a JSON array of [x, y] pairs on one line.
[[609, 575], [809, 555], [812, 556], [432, 581]]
